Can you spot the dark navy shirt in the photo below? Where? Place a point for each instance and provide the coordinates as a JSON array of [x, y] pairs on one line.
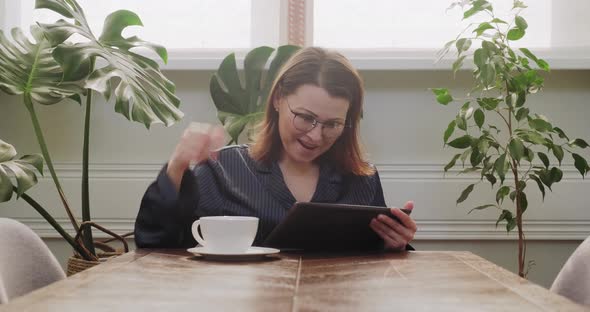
[[235, 184]]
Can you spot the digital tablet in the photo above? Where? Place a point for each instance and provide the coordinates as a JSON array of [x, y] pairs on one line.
[[321, 226]]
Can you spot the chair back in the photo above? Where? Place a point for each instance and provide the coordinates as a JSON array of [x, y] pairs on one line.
[[26, 263], [573, 281]]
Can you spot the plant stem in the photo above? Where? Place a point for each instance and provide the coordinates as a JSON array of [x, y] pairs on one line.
[[87, 237], [39, 133], [56, 226], [521, 241]]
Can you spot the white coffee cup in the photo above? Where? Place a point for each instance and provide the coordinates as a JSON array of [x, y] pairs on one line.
[[226, 234]]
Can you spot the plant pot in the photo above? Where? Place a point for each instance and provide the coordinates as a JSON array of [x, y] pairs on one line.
[[76, 264]]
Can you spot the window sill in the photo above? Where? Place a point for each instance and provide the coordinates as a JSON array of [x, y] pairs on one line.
[[411, 59]]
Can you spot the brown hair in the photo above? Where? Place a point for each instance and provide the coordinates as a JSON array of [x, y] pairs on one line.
[[334, 73]]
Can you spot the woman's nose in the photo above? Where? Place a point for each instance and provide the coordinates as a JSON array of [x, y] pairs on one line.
[[316, 133]]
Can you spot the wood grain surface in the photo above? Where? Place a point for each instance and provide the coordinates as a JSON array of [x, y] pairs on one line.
[[175, 280]]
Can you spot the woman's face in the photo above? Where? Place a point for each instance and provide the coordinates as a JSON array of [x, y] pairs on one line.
[[299, 111]]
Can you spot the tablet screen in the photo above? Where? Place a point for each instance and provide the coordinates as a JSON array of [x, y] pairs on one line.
[[321, 226]]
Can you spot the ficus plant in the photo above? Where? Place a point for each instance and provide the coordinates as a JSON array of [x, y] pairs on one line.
[[51, 68], [500, 136]]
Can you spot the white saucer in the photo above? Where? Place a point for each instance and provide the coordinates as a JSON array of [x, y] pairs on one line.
[[251, 253]]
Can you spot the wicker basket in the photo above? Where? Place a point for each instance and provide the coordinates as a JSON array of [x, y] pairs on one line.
[[76, 264]]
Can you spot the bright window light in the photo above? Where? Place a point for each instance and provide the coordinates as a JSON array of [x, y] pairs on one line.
[[413, 24], [176, 24]]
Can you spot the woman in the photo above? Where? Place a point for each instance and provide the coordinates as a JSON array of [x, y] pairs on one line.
[[307, 149]]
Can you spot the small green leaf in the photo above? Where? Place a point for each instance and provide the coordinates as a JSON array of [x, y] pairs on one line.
[[449, 131], [483, 145], [548, 177], [482, 207], [557, 152], [540, 125], [556, 174], [464, 156], [476, 157], [521, 185], [519, 4], [539, 183], [510, 225], [521, 22], [495, 128], [544, 159], [491, 178], [522, 113], [531, 137], [502, 192], [466, 111], [510, 99], [442, 95], [480, 57], [512, 196], [516, 148], [498, 21], [478, 6], [505, 215], [463, 44], [501, 166], [482, 28], [541, 63], [560, 133], [479, 117], [579, 143], [451, 163], [529, 155], [521, 99], [581, 164], [465, 193], [488, 103], [515, 34], [457, 64], [488, 75], [461, 123], [442, 52], [461, 142], [522, 201]]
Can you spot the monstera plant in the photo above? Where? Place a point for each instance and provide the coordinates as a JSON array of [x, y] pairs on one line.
[[241, 104], [501, 138], [52, 68]]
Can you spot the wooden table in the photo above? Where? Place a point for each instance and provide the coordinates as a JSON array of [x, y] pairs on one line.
[[174, 280]]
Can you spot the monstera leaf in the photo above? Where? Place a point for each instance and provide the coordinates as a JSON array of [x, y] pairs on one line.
[[21, 169], [28, 68], [142, 93], [240, 104]]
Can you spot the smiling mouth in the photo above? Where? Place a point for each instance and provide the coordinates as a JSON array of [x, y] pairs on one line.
[[307, 146]]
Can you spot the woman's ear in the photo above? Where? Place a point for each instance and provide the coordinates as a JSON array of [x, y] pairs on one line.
[[276, 101]]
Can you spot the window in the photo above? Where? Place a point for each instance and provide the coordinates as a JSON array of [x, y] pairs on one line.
[[412, 24], [376, 34], [176, 24]]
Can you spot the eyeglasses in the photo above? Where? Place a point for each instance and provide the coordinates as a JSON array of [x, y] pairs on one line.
[[306, 122]]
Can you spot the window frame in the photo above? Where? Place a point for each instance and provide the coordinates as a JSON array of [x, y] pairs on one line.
[[265, 12]]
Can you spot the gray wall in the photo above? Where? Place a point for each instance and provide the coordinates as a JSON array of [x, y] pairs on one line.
[[402, 131]]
